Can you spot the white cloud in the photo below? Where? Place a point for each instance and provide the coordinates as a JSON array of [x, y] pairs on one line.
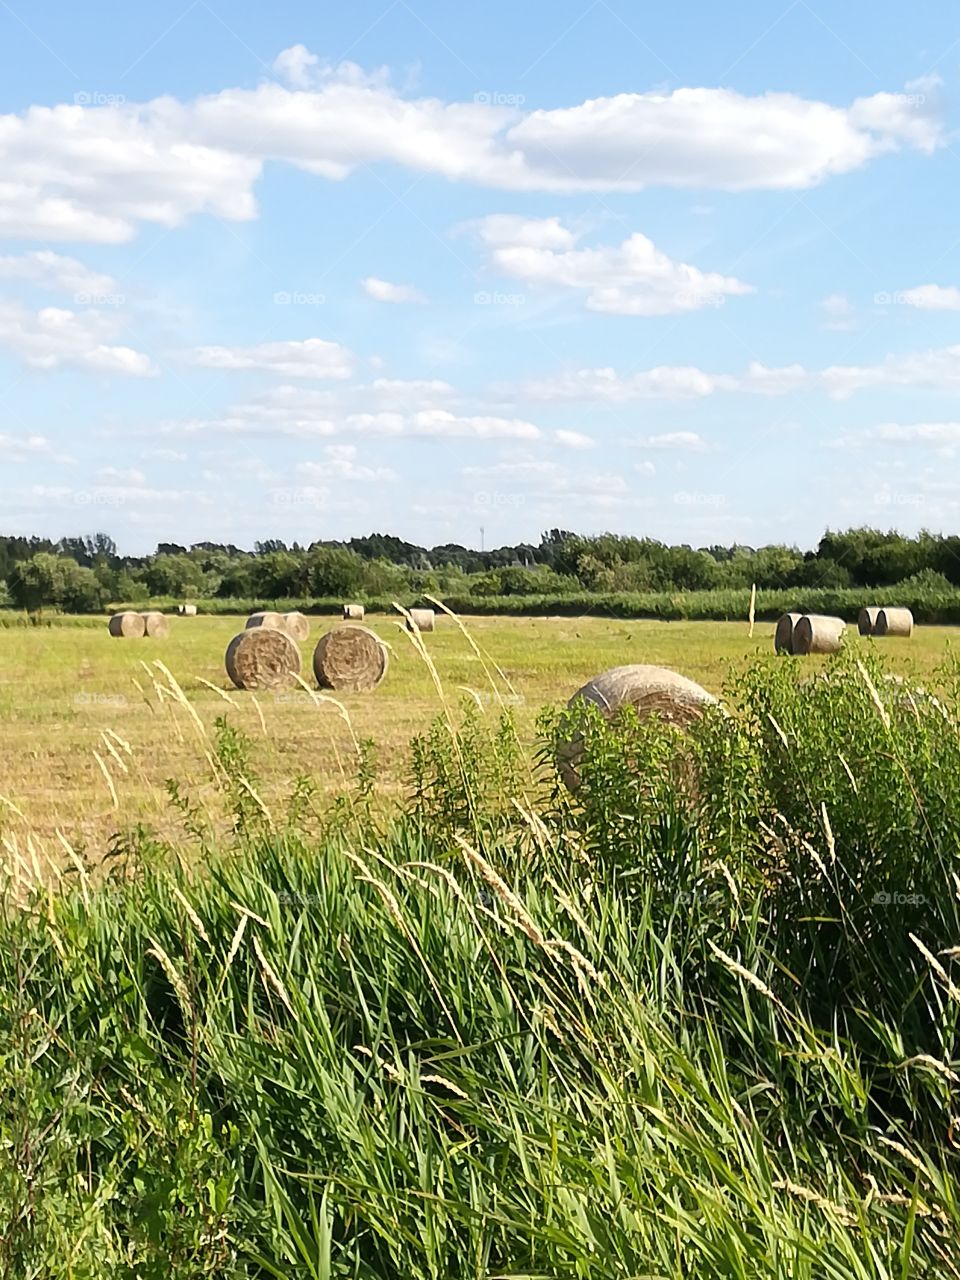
[[838, 312], [684, 441], [304, 414], [311, 358], [130, 477], [633, 278], [94, 172], [296, 65], [166, 455], [937, 368], [932, 297], [52, 271], [54, 336], [20, 448], [574, 440], [384, 291], [606, 385], [412, 387], [939, 435], [340, 463]]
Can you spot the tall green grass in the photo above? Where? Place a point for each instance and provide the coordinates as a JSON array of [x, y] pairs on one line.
[[698, 1020]]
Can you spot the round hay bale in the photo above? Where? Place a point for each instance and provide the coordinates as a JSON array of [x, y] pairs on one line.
[[156, 626], [269, 620], [423, 619], [651, 690], [187, 610], [350, 658], [894, 622], [817, 633], [867, 620], [297, 626], [129, 626], [353, 612], [783, 636], [262, 658]]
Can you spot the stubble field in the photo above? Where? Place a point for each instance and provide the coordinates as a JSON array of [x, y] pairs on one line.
[[91, 728]]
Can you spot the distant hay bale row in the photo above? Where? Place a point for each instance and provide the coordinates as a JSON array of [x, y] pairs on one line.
[[353, 612], [187, 610], [803, 633], [350, 658], [885, 620], [296, 625], [894, 622], [134, 626], [422, 620]]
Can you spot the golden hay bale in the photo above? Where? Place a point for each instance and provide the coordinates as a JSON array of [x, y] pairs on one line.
[[817, 633], [894, 622], [350, 658], [353, 612], [262, 658], [156, 626], [130, 626], [783, 636], [867, 620], [297, 626], [187, 610], [268, 619], [424, 619], [651, 690]]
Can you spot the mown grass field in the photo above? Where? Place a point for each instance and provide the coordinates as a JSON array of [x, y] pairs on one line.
[[63, 688]]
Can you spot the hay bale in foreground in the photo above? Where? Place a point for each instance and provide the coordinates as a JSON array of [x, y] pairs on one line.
[[262, 658], [267, 619], [867, 620], [894, 622], [817, 633], [353, 612], [651, 690], [156, 626], [187, 610], [783, 636], [353, 659], [424, 619], [297, 626], [129, 626]]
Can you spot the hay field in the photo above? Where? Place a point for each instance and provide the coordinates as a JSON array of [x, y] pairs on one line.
[[64, 691]]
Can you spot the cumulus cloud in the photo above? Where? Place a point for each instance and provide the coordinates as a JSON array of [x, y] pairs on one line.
[[340, 463], [932, 297], [937, 368], [311, 358], [633, 278], [47, 270], [20, 448], [932, 435], [54, 336], [838, 312], [95, 172], [384, 291], [574, 440], [684, 441]]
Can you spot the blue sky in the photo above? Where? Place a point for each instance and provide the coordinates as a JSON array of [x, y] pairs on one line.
[[305, 272]]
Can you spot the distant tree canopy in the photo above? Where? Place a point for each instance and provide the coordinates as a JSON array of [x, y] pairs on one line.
[[82, 574]]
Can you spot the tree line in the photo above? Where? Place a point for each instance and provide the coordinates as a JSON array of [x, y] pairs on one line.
[[84, 574]]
